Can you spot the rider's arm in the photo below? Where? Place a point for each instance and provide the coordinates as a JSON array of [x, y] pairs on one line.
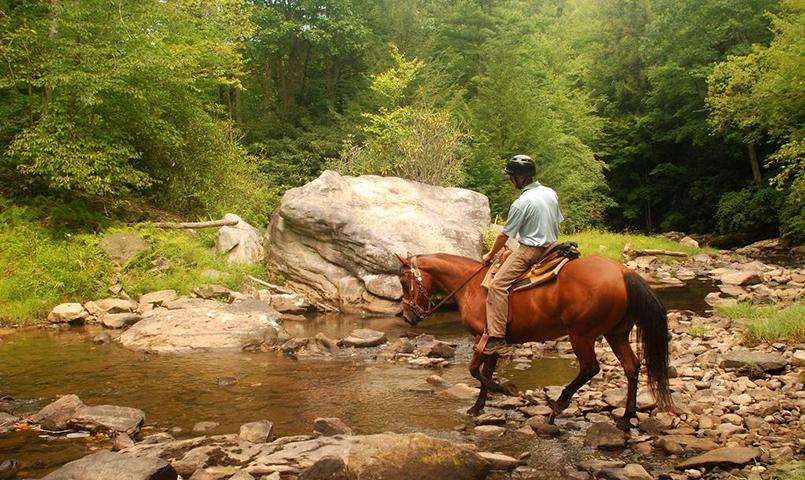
[[500, 241]]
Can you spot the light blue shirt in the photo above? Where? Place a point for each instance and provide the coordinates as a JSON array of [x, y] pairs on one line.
[[535, 216]]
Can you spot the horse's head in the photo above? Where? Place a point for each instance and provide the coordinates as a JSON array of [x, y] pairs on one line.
[[416, 285]]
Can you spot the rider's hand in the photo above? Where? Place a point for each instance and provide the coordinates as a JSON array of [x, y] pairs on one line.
[[487, 258]]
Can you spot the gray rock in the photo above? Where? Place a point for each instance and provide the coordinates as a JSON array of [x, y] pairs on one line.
[[256, 432], [108, 418], [331, 426], [290, 303], [213, 292], [56, 415], [106, 465], [241, 243], [122, 247], [363, 337], [604, 436], [159, 298], [119, 320], [741, 278], [725, 456], [768, 362], [67, 312], [202, 329], [334, 241]]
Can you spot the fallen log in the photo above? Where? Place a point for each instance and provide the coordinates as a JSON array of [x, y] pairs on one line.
[[209, 224], [651, 251]]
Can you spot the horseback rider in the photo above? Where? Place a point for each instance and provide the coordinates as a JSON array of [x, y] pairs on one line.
[[534, 218]]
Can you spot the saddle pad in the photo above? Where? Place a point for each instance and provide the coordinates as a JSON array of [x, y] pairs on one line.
[[542, 273]]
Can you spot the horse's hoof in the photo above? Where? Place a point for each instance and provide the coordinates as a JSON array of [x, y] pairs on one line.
[[473, 411], [623, 424], [510, 389], [551, 419]]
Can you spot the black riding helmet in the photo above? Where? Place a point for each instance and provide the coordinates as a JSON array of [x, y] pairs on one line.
[[520, 165]]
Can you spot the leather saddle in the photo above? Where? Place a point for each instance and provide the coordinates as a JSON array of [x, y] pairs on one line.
[[556, 256]]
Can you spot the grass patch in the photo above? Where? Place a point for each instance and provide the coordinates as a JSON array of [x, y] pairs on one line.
[[699, 331], [792, 471], [45, 261], [768, 323], [610, 245]]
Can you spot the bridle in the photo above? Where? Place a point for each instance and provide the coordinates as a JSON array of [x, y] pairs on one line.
[[416, 280]]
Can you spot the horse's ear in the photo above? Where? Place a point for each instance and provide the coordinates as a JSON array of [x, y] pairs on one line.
[[401, 259]]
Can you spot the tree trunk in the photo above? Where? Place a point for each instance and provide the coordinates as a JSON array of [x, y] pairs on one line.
[[755, 164], [47, 91]]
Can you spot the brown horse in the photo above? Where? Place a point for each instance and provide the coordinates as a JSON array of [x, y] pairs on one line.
[[592, 296]]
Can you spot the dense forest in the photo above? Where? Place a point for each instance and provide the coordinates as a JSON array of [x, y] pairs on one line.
[[649, 115]]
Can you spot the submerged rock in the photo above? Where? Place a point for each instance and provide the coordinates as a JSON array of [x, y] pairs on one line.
[[363, 337], [335, 238], [106, 465], [331, 426]]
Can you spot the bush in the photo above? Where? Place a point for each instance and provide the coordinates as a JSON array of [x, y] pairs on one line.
[[754, 211]]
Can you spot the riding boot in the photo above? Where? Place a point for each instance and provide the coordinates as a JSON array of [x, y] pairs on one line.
[[495, 345]]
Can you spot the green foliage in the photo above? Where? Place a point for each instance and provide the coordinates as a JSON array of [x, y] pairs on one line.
[[768, 323], [701, 331], [50, 256], [754, 211], [111, 101]]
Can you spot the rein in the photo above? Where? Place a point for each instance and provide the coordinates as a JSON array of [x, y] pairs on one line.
[[417, 276]]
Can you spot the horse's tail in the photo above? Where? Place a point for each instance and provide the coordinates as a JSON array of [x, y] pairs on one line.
[[652, 332]]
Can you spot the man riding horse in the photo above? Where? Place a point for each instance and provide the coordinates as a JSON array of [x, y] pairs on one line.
[[534, 218]]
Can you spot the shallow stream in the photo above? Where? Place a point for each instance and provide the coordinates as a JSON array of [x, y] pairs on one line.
[[178, 391]]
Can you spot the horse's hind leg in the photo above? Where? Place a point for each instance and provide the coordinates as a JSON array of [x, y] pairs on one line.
[[483, 371], [584, 348], [619, 341]]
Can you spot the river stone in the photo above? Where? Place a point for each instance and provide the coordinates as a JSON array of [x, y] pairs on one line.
[[159, 298], [363, 337], [604, 435], [241, 243], [335, 238], [741, 278], [110, 305], [331, 426], [106, 465], [461, 391], [498, 461], [256, 432], [437, 349], [67, 312], [202, 329], [108, 418], [213, 292], [687, 443], [121, 247], [329, 467], [119, 320], [725, 456], [57, 414], [290, 303], [102, 338], [631, 471], [768, 362]]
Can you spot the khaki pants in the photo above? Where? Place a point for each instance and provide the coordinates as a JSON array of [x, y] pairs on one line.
[[497, 296]]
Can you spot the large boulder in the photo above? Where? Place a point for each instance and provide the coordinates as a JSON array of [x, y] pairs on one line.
[[241, 243], [105, 465], [335, 239], [199, 329]]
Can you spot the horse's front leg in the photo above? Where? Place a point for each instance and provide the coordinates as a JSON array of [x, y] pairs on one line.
[[483, 369]]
